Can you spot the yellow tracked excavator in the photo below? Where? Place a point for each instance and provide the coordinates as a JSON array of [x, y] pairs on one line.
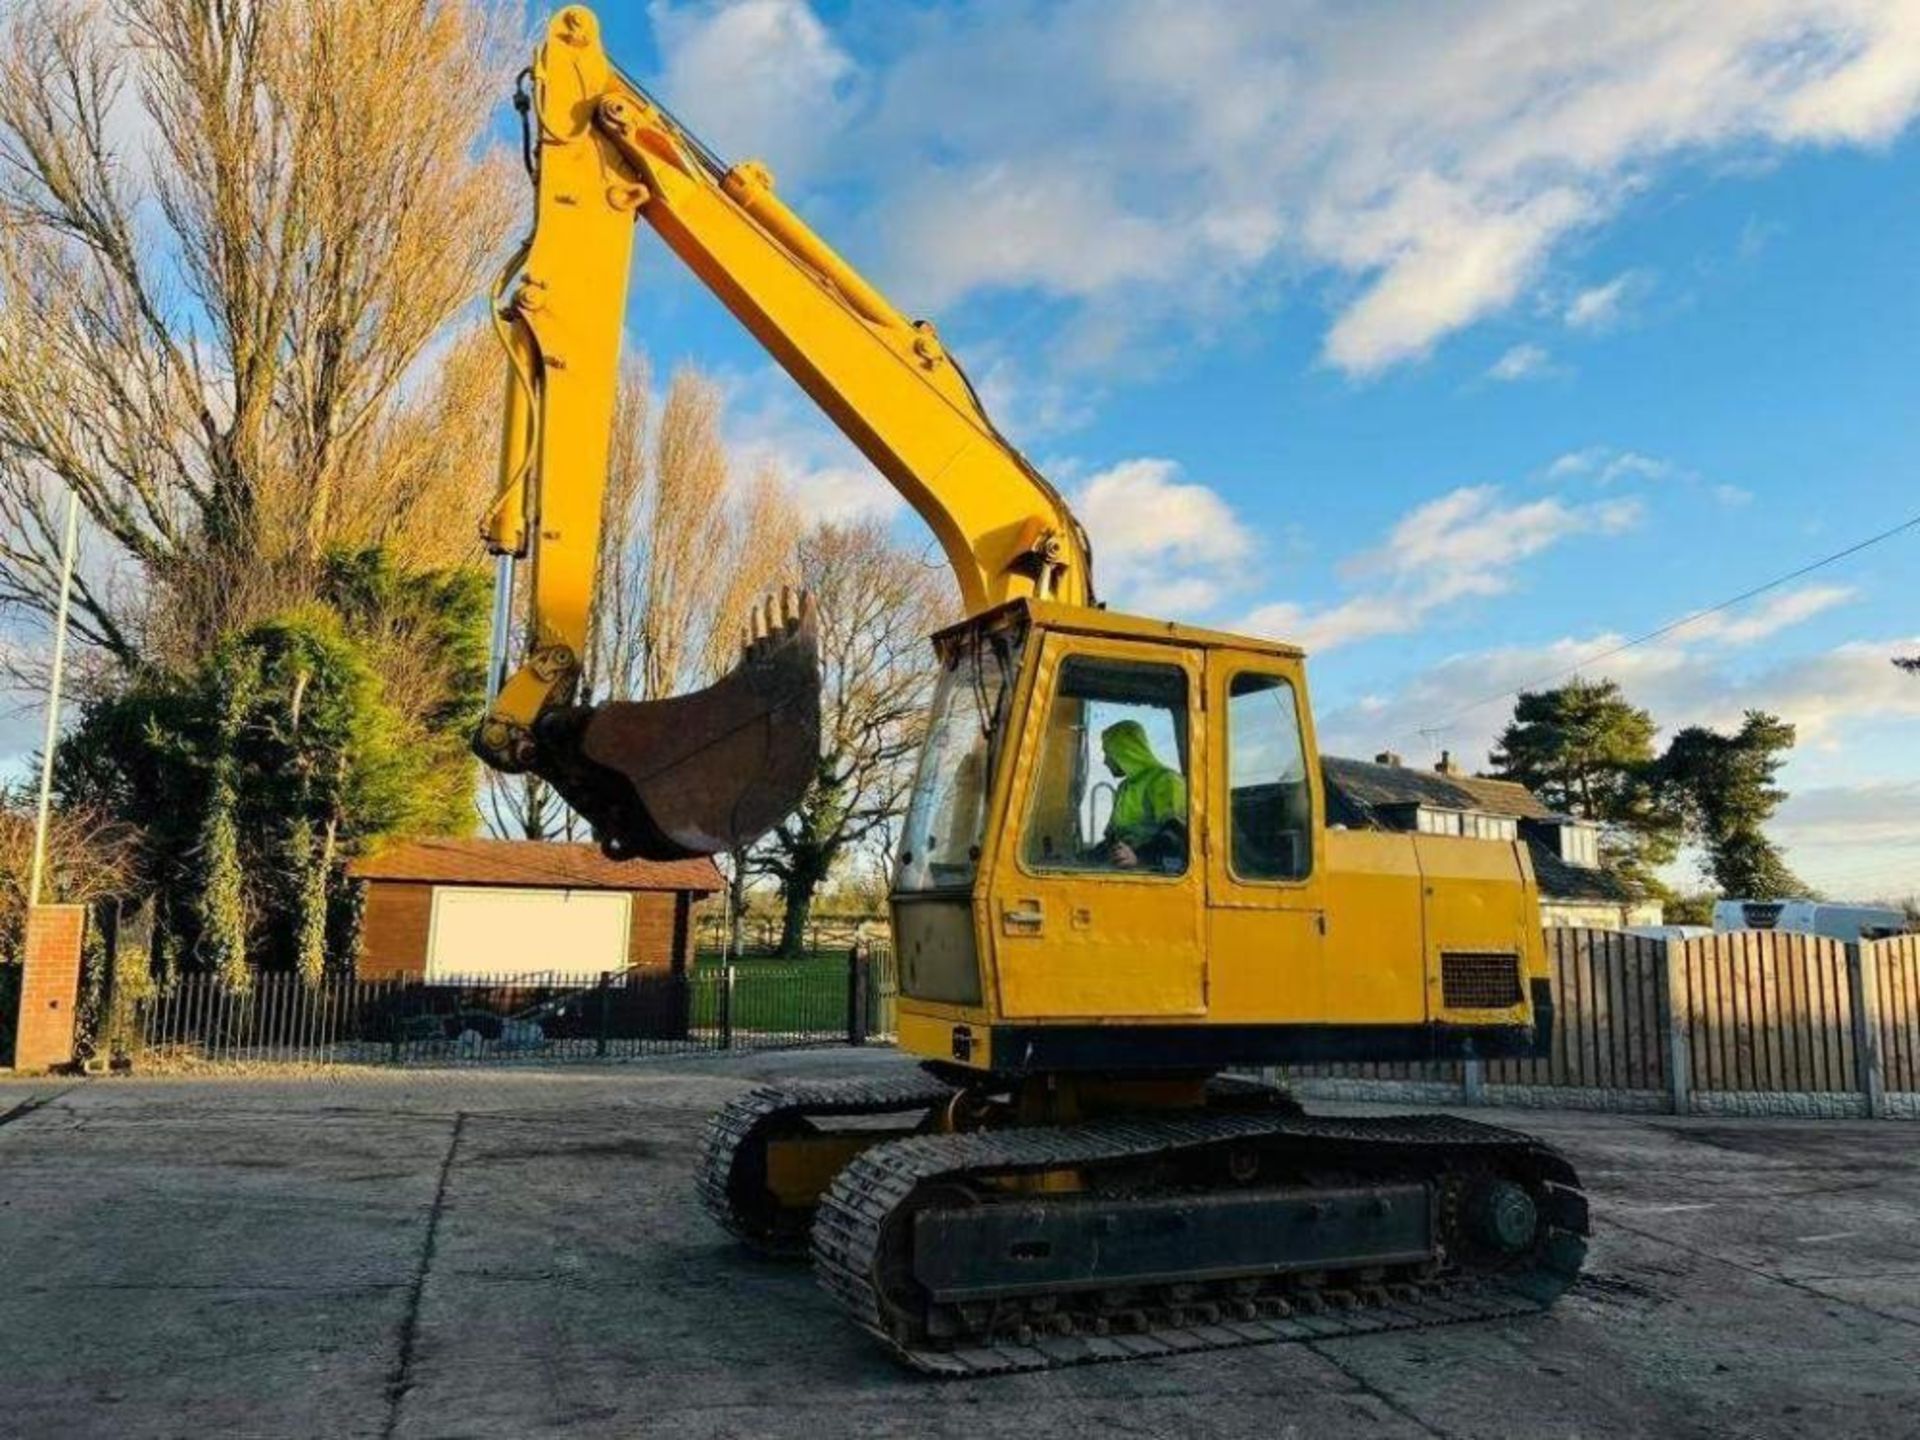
[[1117, 883]]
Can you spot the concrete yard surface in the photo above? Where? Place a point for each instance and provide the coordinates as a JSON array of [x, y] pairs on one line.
[[518, 1253]]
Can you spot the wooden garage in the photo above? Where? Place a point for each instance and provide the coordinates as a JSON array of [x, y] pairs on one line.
[[444, 908]]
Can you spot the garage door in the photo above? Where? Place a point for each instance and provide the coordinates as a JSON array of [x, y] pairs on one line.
[[564, 933]]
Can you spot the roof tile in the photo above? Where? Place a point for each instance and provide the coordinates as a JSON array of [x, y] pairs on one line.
[[532, 864], [1371, 784]]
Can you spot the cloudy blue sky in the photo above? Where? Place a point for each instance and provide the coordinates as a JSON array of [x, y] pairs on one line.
[[1458, 342]]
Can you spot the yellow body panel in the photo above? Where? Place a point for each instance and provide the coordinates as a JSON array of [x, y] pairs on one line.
[[800, 1168], [928, 1030], [1117, 625], [1094, 946], [1481, 897], [1376, 952], [1267, 938]]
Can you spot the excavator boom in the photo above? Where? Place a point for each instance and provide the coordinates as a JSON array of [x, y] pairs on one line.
[[606, 155]]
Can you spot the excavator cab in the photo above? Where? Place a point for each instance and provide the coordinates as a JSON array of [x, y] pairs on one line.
[[1118, 857]]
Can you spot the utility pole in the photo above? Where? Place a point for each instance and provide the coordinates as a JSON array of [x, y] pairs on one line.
[[53, 701]]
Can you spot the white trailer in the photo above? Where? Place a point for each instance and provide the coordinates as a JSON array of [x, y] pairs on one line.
[[1811, 917]]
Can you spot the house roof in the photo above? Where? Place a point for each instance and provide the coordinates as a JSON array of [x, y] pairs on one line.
[[529, 864], [1560, 881], [1369, 784], [1356, 788]]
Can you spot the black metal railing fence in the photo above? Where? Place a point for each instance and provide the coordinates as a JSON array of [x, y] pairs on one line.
[[10, 973], [711, 1006]]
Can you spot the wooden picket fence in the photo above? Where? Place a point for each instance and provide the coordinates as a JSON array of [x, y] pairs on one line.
[[1897, 990], [1754, 1014]]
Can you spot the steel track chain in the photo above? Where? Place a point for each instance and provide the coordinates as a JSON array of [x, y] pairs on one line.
[[852, 1217], [746, 1118]]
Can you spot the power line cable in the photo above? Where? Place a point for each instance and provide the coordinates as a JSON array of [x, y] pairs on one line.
[[1674, 625]]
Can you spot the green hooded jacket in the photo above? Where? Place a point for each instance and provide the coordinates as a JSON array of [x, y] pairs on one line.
[[1149, 794]]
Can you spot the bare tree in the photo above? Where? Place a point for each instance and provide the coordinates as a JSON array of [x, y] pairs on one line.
[[229, 242], [525, 807], [427, 474], [687, 545], [612, 662], [877, 604], [89, 855]]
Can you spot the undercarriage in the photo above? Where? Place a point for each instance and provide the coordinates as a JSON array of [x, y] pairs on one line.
[[976, 1232]]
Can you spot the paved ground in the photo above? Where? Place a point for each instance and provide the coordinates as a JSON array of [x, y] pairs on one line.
[[518, 1254]]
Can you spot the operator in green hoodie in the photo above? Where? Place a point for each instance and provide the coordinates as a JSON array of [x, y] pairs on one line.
[[1148, 824]]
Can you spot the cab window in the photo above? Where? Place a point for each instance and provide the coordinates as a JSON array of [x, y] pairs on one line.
[[947, 812], [1269, 800], [1110, 789]]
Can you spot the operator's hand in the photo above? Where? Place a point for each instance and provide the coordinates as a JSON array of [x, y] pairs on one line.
[[1124, 857]]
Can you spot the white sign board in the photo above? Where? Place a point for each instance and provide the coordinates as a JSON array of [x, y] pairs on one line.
[[567, 934]]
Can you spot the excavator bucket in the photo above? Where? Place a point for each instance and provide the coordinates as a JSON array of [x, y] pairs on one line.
[[705, 772]]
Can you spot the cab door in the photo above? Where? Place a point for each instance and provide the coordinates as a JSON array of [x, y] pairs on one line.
[[1265, 852], [1096, 908]]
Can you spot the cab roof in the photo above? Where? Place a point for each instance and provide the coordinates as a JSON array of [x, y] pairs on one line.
[[1091, 620]]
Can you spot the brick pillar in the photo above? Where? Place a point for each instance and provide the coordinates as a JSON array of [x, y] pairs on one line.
[[49, 987]]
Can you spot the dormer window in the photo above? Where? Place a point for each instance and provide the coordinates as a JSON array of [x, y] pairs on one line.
[[1573, 842], [1580, 844], [1434, 820]]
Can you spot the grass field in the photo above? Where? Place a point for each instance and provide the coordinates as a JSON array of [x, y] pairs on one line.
[[804, 997]]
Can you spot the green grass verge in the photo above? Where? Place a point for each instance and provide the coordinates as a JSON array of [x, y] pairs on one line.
[[806, 996]]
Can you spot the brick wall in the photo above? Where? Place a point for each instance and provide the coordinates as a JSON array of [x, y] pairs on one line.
[[393, 929], [657, 929], [49, 986]]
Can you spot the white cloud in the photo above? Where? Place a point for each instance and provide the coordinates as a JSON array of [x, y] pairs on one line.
[[1854, 842], [1876, 813], [774, 430], [1024, 400], [1605, 465], [1468, 531], [1141, 157], [1605, 306], [1576, 463], [761, 78], [1440, 260], [1759, 622], [1681, 682], [1010, 226], [1161, 545], [1467, 543], [1631, 465], [1837, 837], [1522, 362]]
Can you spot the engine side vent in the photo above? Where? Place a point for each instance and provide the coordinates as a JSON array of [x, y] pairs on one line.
[[1479, 979]]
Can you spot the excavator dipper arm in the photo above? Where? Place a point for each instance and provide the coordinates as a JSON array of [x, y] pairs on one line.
[[606, 155]]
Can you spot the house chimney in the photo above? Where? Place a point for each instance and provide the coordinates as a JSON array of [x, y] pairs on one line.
[[1448, 765], [1387, 757]]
